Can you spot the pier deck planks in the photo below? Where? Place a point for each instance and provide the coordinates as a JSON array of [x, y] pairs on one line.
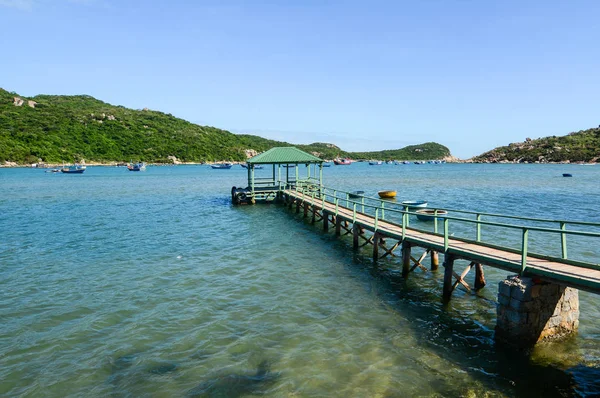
[[552, 271]]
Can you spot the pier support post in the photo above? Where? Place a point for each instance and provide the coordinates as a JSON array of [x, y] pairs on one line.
[[448, 273], [479, 277], [376, 240], [530, 311], [325, 221], [297, 206], [338, 226], [314, 215], [355, 234], [435, 260], [405, 258]]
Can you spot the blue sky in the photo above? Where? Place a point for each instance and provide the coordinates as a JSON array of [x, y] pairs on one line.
[[364, 75]]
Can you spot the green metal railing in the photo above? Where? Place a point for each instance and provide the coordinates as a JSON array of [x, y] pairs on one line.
[[378, 209]]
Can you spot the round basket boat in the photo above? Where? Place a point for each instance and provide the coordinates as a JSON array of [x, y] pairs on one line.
[[387, 194], [414, 204], [429, 214], [356, 194]]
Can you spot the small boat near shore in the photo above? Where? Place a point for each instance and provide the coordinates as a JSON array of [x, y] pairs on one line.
[[141, 166], [375, 163], [221, 166], [342, 162], [387, 194], [356, 194], [430, 214], [414, 204], [74, 169], [53, 171], [567, 175]]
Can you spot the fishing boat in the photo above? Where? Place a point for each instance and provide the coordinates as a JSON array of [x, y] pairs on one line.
[[567, 175], [387, 194], [342, 162], [52, 171], [375, 163], [430, 214], [244, 165], [74, 169], [221, 166], [141, 166], [356, 194], [326, 164], [414, 204]]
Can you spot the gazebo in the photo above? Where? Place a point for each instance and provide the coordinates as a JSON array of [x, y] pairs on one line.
[[266, 189]]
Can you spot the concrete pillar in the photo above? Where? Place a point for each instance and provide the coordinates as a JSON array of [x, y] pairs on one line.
[[531, 311]]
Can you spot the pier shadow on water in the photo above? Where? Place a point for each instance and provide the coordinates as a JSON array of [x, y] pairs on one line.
[[465, 341]]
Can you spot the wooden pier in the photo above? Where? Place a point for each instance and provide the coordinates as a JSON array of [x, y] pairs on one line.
[[386, 237], [540, 302]]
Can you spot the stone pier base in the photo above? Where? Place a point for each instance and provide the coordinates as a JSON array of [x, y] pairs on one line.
[[531, 311]]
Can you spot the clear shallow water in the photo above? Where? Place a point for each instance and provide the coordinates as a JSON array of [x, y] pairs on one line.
[[152, 284]]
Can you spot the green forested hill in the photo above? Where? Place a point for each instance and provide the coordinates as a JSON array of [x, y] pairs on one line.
[[581, 146], [70, 128]]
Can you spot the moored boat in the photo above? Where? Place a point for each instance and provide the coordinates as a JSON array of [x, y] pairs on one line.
[[375, 163], [221, 166], [342, 162], [74, 169], [141, 166], [356, 194], [430, 214], [414, 204], [567, 175], [388, 194]]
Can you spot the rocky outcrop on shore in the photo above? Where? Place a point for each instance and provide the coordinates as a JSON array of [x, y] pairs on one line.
[[576, 147]]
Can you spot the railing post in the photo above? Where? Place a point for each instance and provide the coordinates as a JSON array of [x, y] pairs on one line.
[[404, 218], [407, 216], [478, 237], [362, 203], [524, 250], [336, 206], [353, 213], [347, 198], [435, 227], [382, 210], [376, 218], [445, 234], [563, 240]]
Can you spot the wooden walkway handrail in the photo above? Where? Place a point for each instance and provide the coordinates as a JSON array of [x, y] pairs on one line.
[[522, 261]]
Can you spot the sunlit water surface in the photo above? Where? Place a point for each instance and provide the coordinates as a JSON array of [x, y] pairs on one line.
[[152, 284]]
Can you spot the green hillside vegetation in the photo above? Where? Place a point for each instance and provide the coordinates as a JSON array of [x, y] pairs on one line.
[[72, 128], [580, 146]]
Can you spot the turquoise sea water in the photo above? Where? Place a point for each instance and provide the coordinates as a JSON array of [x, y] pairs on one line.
[[152, 284]]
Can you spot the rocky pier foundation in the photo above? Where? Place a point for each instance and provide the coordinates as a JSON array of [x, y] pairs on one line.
[[530, 311]]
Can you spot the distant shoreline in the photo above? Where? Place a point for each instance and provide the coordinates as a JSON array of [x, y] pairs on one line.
[[12, 165]]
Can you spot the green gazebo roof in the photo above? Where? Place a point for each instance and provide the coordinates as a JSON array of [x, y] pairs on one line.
[[284, 155]]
